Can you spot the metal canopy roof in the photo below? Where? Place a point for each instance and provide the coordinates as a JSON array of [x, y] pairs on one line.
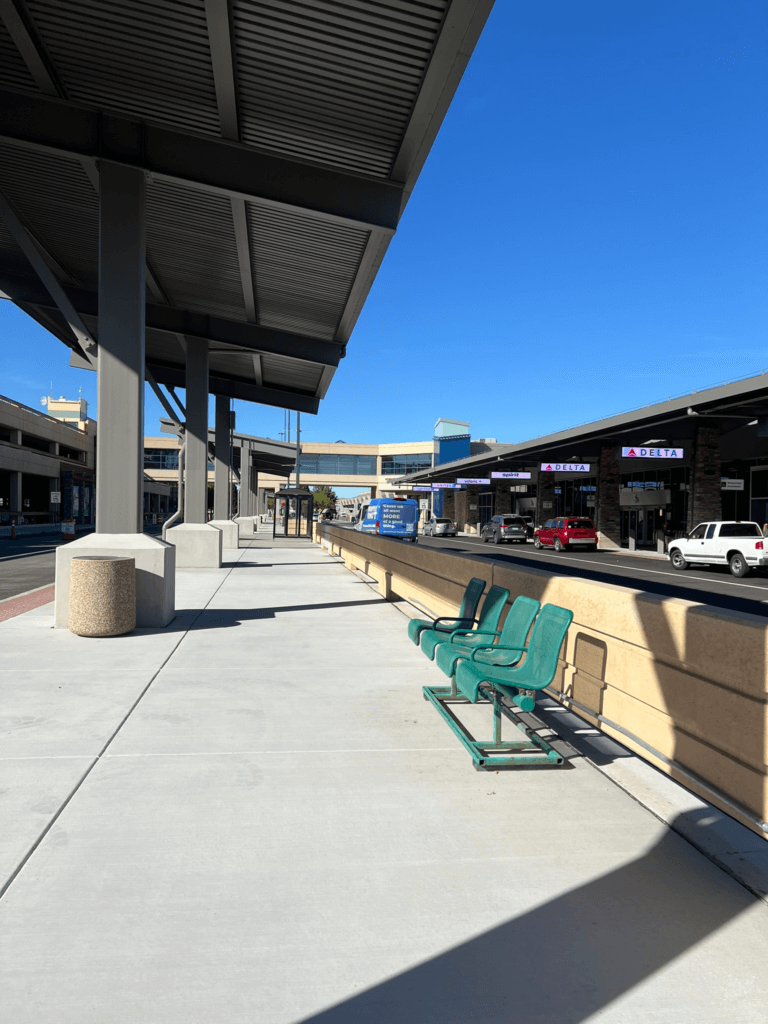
[[280, 141], [277, 458], [728, 407]]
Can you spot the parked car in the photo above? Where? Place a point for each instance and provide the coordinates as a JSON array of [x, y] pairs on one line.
[[435, 527], [505, 529], [529, 524], [569, 532], [740, 546]]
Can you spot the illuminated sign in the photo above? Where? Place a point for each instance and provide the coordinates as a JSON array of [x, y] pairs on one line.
[[473, 480], [421, 488], [442, 487], [511, 476], [565, 467], [637, 452]]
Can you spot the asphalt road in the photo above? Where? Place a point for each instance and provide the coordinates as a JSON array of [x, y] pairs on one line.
[[713, 586], [27, 563]]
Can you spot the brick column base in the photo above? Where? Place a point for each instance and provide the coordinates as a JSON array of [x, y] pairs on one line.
[[608, 507], [706, 497]]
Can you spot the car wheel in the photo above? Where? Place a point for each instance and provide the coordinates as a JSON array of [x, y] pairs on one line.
[[738, 565], [496, 539], [537, 543], [677, 559], [559, 545]]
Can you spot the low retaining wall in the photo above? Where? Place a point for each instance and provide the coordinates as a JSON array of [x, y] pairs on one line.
[[680, 683]]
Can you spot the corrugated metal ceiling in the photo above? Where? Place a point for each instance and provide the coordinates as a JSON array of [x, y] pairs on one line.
[[319, 81]]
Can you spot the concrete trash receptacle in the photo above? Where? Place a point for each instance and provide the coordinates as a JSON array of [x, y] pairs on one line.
[[102, 595]]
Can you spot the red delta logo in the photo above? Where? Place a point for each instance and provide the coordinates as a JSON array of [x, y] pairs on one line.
[[549, 467], [632, 454]]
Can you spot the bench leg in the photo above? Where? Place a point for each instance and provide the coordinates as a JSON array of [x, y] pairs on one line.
[[495, 753]]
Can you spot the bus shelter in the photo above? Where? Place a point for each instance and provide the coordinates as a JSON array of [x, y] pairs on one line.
[[293, 513]]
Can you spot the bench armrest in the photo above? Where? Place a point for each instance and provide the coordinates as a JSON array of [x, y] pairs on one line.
[[474, 632], [498, 647], [454, 619]]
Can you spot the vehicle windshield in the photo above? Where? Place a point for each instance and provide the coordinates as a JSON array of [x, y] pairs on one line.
[[579, 524], [740, 530], [442, 520], [512, 521]]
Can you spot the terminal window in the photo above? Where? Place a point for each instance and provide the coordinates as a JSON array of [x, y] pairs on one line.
[[339, 465], [399, 465], [162, 458]]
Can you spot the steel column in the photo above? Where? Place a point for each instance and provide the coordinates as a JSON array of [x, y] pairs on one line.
[[196, 490], [122, 297], [222, 460]]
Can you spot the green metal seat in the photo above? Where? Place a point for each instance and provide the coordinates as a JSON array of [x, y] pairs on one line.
[[514, 634], [465, 618], [510, 689], [490, 613]]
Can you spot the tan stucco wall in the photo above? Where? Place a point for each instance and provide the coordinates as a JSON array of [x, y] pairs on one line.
[[688, 680]]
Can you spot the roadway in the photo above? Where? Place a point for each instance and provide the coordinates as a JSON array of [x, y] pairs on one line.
[[712, 586]]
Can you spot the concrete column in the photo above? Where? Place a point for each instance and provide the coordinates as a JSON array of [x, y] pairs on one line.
[[608, 504], [196, 489], [120, 451], [122, 297], [222, 460], [248, 495], [705, 497], [545, 497], [17, 503], [449, 504], [221, 471], [502, 499], [198, 544]]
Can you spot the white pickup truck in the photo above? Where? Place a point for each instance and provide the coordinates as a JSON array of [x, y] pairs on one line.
[[737, 545]]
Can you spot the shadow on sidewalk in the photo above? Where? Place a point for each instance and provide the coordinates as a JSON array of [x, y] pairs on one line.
[[223, 618], [568, 959]]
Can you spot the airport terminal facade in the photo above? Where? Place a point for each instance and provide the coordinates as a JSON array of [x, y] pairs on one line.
[[662, 468]]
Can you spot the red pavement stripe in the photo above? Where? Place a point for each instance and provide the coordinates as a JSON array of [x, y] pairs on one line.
[[25, 602]]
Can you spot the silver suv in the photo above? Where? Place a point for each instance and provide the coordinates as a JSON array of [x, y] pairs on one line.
[[505, 529], [439, 527]]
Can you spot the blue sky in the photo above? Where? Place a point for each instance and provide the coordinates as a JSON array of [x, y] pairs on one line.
[[587, 236]]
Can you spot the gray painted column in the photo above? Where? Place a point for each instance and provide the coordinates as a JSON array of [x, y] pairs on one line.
[[122, 296], [196, 490], [221, 460], [253, 491]]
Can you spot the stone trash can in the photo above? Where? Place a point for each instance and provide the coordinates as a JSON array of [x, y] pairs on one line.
[[102, 595]]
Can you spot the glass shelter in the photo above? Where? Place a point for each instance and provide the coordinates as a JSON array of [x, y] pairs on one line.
[[293, 513]]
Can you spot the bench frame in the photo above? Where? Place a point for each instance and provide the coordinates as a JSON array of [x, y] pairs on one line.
[[496, 753]]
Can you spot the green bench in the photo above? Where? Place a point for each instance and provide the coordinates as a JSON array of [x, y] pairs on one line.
[[445, 624], [493, 606], [499, 684], [514, 634]]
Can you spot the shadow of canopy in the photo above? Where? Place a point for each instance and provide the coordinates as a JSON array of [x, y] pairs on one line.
[[570, 958]]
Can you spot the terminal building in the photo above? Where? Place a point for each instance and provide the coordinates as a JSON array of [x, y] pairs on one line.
[[374, 468], [693, 458]]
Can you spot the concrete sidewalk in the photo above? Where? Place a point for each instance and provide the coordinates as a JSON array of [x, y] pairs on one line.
[[252, 816]]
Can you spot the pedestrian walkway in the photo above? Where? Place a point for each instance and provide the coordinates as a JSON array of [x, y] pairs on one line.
[[252, 816]]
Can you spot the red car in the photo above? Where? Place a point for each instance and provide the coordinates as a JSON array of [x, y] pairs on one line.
[[561, 534]]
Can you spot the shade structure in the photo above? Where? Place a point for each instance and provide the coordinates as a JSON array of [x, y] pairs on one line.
[[293, 513]]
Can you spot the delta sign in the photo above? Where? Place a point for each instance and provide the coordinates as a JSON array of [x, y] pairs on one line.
[[510, 476], [565, 467], [637, 452]]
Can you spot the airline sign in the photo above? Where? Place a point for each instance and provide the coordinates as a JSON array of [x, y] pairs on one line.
[[637, 452], [565, 467], [422, 488], [473, 480], [510, 476], [442, 487]]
